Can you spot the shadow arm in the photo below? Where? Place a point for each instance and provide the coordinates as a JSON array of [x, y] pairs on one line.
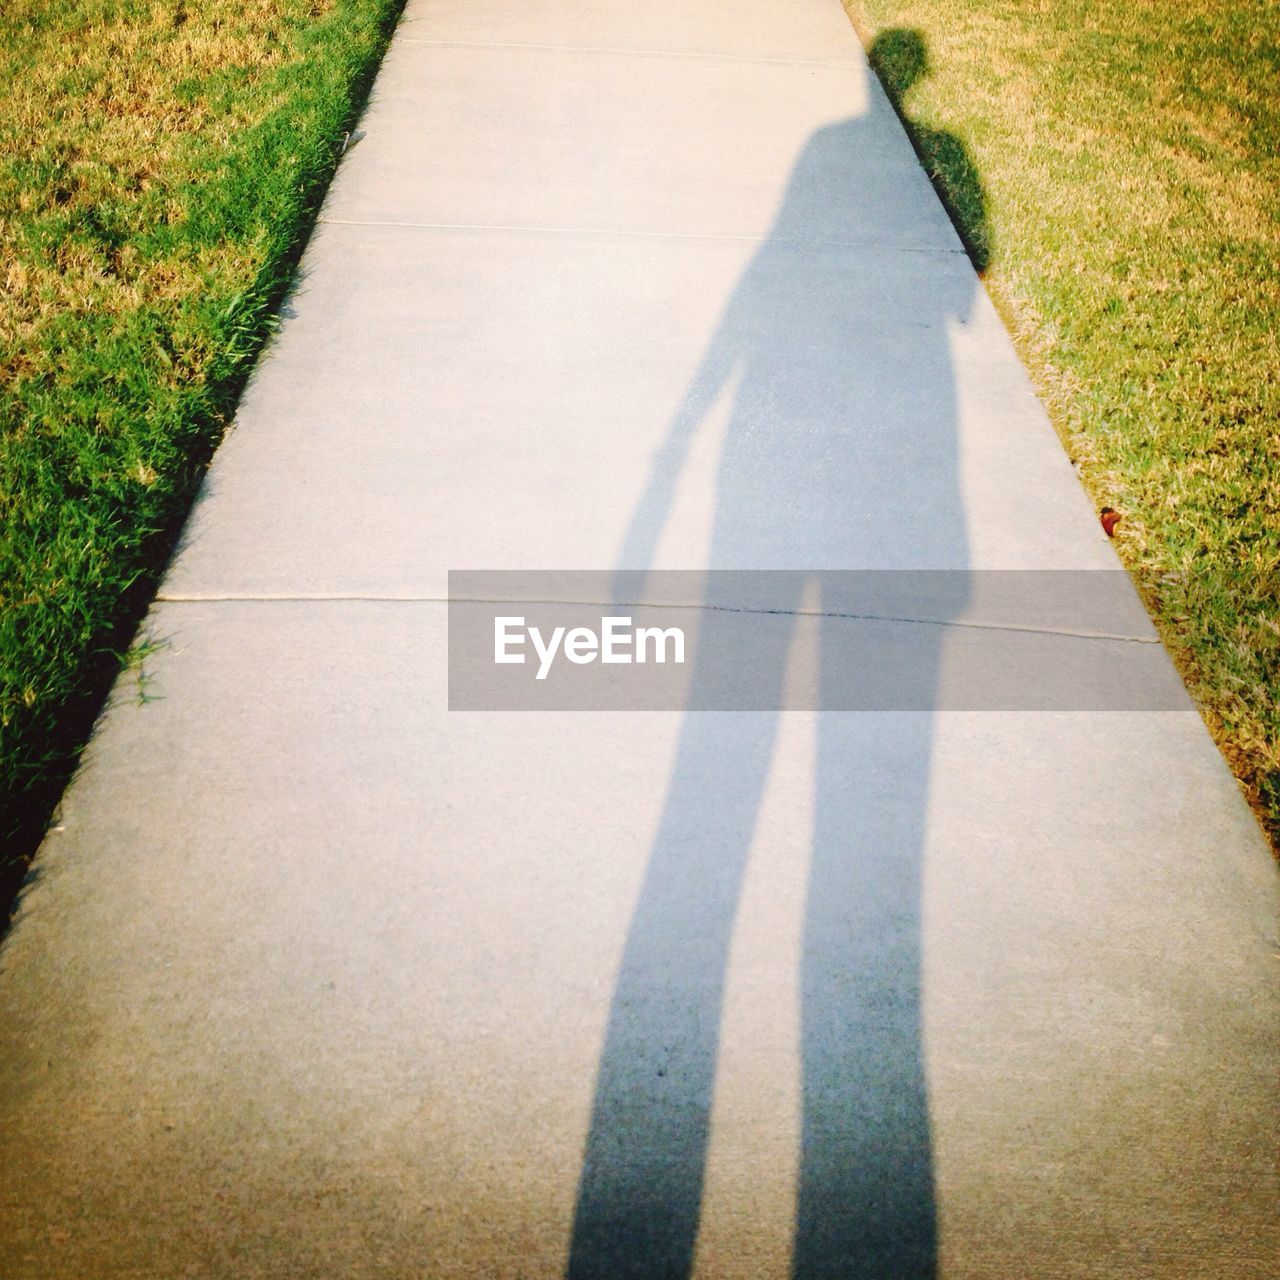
[[654, 507]]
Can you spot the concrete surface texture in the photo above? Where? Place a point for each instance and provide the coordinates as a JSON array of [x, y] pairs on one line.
[[316, 978]]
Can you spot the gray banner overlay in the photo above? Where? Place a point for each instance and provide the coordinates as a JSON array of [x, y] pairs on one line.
[[849, 640]]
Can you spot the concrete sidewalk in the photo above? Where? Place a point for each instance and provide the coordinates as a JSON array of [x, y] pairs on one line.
[[317, 978]]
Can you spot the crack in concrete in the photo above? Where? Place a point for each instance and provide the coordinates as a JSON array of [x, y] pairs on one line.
[[358, 598]]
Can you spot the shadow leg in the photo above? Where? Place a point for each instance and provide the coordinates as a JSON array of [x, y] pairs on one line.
[[641, 1188], [866, 1203], [640, 1192]]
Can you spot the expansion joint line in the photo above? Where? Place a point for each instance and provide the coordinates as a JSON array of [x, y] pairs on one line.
[[692, 606], [695, 54], [632, 233]]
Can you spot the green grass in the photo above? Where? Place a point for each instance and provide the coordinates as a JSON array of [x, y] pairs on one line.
[[1130, 156], [160, 165]]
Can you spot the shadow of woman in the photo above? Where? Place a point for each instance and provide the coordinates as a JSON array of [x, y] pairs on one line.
[[840, 454]]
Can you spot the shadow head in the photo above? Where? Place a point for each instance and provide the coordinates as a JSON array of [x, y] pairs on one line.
[[900, 58]]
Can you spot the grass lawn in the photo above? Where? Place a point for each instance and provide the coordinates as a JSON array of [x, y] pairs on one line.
[[1130, 154], [159, 166]]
